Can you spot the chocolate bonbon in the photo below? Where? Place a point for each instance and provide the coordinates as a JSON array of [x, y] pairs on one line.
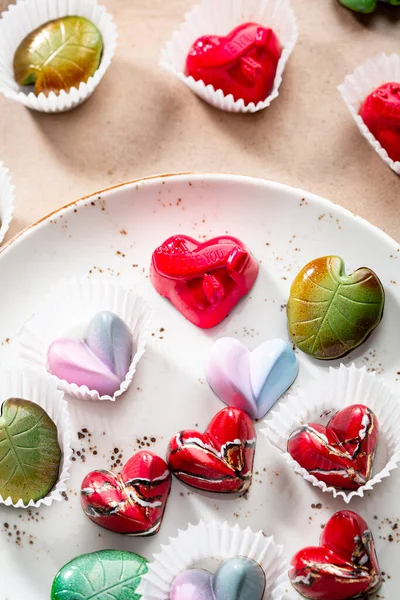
[[343, 566], [242, 63], [238, 578], [221, 458], [101, 361], [203, 280], [342, 453], [380, 111], [329, 312], [132, 502], [102, 574], [365, 6], [58, 55], [30, 454], [252, 381]]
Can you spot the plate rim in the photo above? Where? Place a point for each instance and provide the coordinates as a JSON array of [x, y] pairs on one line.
[[207, 175]]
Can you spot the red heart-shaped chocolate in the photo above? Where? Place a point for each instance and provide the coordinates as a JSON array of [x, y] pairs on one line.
[[342, 453], [132, 502], [380, 111], [204, 281], [219, 460], [242, 63], [343, 566]]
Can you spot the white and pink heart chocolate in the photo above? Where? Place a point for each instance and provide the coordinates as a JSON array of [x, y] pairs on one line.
[[100, 361]]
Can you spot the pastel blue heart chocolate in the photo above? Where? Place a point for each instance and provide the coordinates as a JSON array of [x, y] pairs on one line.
[[110, 339], [238, 578], [252, 381]]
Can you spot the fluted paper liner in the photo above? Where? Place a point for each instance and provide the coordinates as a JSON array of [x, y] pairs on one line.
[[330, 393], [25, 16], [6, 200], [30, 385], [217, 541], [74, 302], [219, 18], [364, 80]]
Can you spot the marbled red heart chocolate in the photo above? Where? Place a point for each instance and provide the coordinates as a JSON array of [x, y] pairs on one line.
[[204, 281], [132, 502], [219, 460], [243, 63], [380, 111], [343, 566], [342, 453]]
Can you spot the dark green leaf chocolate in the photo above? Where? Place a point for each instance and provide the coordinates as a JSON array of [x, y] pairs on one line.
[[103, 575], [29, 451]]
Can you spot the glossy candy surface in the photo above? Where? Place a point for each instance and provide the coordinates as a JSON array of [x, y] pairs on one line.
[[132, 502], [100, 576], [30, 454], [101, 361], [365, 6], [342, 453], [219, 460], [238, 578], [329, 312], [252, 381], [343, 566], [380, 112], [58, 55], [203, 280], [242, 63]]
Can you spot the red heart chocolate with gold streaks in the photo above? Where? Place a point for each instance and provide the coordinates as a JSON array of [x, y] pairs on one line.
[[219, 460], [242, 63], [204, 281], [342, 453], [343, 566], [132, 502]]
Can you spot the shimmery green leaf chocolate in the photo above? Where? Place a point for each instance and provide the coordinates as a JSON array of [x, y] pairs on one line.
[[329, 312], [103, 575], [365, 6], [29, 451], [58, 55]]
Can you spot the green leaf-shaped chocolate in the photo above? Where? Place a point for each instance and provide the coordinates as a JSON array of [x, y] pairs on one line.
[[30, 454], [329, 312], [103, 575], [58, 55]]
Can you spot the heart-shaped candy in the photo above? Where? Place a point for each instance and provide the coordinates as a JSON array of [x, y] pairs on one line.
[[219, 460], [101, 361], [203, 280], [343, 566], [242, 63], [252, 381], [238, 578], [329, 312], [342, 453], [132, 502], [380, 112]]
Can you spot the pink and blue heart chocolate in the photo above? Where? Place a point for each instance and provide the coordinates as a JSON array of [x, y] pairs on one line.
[[238, 578], [100, 361], [252, 381]]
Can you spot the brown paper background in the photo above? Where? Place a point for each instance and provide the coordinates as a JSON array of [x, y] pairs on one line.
[[141, 121]]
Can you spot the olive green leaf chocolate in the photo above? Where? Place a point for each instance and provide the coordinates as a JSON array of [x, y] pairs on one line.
[[29, 451], [103, 575], [365, 6], [329, 312], [58, 55]]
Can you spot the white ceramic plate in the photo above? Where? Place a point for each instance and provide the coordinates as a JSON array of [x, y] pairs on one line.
[[115, 232]]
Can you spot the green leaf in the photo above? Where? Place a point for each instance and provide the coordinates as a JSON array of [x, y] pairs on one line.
[[103, 575], [362, 6], [29, 451], [329, 312], [58, 55]]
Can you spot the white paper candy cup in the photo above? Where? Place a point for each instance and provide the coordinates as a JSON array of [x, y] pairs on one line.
[[6, 200], [357, 86], [330, 393], [30, 385], [217, 541], [219, 18], [25, 16], [67, 311]]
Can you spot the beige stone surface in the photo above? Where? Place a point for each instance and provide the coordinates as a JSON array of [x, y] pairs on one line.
[[141, 121]]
